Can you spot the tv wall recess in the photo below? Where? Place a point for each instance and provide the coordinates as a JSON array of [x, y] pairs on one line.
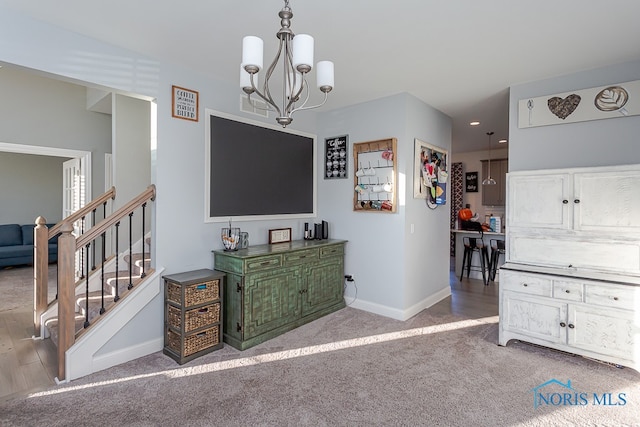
[[257, 171]]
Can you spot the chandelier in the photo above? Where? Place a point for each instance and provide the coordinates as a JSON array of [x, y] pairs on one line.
[[488, 180], [296, 56]]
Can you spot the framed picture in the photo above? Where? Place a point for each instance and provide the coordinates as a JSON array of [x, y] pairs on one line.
[[336, 159], [471, 182], [279, 235], [184, 103], [430, 173]]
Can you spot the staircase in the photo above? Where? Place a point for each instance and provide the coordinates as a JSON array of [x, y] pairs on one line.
[[97, 317], [100, 298]]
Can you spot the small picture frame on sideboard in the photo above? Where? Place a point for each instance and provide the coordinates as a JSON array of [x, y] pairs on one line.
[[279, 235]]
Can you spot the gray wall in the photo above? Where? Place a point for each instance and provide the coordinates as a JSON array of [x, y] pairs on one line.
[[41, 111], [593, 143], [397, 272], [30, 186]]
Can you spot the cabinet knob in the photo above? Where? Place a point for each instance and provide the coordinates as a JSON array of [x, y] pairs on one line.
[[565, 201], [615, 298], [525, 285], [568, 291], [571, 326], [562, 324], [576, 201]]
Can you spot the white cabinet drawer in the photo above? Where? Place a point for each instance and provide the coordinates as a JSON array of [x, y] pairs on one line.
[[626, 297], [567, 290], [525, 283]]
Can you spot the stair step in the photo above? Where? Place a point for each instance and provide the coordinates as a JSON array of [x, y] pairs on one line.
[[95, 301]]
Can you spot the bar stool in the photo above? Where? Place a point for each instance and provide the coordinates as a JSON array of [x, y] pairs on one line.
[[471, 245], [497, 249]]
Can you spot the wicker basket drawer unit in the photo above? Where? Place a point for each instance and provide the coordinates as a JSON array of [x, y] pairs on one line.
[[193, 314]]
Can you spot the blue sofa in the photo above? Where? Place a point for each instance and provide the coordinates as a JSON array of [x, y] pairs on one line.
[[16, 245]]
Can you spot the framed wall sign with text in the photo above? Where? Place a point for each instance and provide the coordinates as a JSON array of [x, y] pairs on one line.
[[471, 182], [184, 103], [336, 157]]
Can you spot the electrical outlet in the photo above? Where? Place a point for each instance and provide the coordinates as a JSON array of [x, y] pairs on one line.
[[348, 277]]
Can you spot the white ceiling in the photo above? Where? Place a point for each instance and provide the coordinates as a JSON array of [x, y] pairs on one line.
[[459, 56]]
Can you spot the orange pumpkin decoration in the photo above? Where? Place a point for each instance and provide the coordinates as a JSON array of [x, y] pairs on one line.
[[465, 214]]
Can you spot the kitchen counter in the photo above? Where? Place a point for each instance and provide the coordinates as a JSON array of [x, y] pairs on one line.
[[487, 237], [486, 233]]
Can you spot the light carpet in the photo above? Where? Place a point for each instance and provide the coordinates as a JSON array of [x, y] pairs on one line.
[[350, 368]]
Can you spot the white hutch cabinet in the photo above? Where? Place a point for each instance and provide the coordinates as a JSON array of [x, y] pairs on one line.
[[571, 280]]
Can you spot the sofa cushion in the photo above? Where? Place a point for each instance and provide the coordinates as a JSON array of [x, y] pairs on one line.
[[10, 235], [27, 234], [16, 251]]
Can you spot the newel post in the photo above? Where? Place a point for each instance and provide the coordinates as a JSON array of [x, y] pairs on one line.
[[66, 294], [41, 272]]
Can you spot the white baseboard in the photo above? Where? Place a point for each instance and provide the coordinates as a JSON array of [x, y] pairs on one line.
[[399, 314], [117, 357]]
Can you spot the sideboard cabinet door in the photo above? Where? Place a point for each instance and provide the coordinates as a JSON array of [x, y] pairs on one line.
[[272, 299], [324, 285]]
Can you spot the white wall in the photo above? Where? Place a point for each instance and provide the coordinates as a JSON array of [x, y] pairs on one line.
[[593, 143], [40, 111], [131, 147], [30, 186], [396, 272]]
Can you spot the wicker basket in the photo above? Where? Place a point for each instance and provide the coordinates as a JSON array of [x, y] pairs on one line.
[[195, 342], [195, 318], [198, 293]]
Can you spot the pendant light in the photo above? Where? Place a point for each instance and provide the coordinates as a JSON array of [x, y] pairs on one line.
[[296, 54], [488, 180]]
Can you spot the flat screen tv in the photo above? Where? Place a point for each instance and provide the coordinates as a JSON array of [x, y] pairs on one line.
[[256, 171]]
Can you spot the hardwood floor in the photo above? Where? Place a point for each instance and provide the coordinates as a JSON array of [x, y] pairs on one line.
[[28, 365]]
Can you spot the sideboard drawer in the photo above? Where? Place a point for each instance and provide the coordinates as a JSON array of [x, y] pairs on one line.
[[525, 283], [625, 297], [260, 263], [567, 290], [293, 258], [333, 250]]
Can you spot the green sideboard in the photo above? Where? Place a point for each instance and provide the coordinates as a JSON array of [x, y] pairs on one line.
[[271, 289]]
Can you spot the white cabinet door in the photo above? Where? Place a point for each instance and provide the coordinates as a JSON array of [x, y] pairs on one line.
[[539, 201], [607, 331], [533, 316], [607, 202]]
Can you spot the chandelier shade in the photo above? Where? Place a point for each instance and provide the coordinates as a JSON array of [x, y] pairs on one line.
[[295, 60]]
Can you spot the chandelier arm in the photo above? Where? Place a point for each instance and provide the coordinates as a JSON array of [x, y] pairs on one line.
[[266, 93], [265, 98], [326, 96], [303, 85]]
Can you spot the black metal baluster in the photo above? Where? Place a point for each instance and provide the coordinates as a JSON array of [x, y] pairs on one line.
[[104, 255], [144, 205], [117, 297], [130, 251], [93, 249], [86, 321], [82, 253], [102, 310]]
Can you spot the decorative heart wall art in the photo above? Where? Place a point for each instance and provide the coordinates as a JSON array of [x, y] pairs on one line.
[[564, 107], [616, 100]]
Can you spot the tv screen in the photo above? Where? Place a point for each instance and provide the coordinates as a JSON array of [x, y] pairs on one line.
[[256, 171]]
